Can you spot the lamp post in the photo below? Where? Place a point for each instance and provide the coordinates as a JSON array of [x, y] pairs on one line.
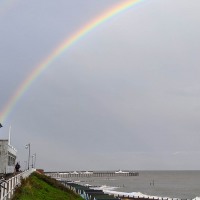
[[28, 147], [32, 160], [35, 160], [33, 163]]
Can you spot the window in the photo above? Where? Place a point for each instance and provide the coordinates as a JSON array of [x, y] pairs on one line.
[[11, 160]]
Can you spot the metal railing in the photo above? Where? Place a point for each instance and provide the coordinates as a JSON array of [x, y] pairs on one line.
[[7, 187]]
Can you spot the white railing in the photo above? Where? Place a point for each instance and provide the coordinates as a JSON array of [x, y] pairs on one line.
[[7, 187]]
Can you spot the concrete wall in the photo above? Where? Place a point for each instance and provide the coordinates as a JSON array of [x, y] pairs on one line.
[[3, 156]]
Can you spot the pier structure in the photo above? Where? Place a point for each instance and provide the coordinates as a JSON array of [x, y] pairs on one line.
[[73, 174]]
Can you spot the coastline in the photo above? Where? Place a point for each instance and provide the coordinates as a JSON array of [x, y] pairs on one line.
[[179, 184], [115, 194]]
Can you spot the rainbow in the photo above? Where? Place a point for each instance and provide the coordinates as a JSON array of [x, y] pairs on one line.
[[65, 45]]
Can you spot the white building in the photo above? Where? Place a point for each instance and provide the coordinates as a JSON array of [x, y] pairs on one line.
[[7, 157]]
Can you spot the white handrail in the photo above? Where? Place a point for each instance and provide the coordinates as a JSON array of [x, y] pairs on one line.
[[8, 186]]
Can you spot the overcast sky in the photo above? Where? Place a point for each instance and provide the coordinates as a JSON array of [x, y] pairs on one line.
[[126, 96]]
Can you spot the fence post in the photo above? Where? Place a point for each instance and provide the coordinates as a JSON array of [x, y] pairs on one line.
[[6, 189], [9, 187], [15, 181], [2, 190], [12, 185], [18, 179]]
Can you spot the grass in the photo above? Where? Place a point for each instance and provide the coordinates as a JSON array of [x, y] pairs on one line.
[[41, 187]]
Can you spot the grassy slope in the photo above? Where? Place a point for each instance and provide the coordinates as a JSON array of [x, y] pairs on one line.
[[38, 187]]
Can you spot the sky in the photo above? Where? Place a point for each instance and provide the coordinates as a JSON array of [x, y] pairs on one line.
[[125, 96]]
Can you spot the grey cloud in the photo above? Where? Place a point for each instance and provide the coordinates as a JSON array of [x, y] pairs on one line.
[[129, 89]]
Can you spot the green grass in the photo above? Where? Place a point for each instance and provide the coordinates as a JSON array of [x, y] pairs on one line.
[[41, 187]]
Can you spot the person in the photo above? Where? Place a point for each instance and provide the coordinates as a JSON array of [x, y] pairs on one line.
[[17, 166]]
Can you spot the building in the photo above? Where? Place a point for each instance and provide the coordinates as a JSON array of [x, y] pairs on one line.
[[7, 157]]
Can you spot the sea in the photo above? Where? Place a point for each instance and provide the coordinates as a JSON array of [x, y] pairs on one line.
[[166, 184]]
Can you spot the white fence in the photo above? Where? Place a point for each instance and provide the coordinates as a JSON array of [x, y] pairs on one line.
[[8, 186]]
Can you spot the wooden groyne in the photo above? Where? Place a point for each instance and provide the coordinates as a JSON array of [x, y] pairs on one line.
[[72, 174]]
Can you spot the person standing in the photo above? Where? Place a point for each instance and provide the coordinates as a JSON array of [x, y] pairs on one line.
[[17, 167]]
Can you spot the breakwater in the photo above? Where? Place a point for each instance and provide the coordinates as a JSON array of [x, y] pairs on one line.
[[72, 174]]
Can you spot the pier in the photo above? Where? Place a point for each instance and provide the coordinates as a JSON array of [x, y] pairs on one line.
[[73, 174]]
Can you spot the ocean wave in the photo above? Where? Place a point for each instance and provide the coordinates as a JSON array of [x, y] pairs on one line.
[[104, 187], [112, 191], [196, 198]]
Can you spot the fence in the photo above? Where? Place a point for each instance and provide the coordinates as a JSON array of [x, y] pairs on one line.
[[8, 186]]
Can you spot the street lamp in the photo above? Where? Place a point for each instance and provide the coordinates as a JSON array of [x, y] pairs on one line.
[[35, 160], [33, 163], [28, 147], [32, 160]]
